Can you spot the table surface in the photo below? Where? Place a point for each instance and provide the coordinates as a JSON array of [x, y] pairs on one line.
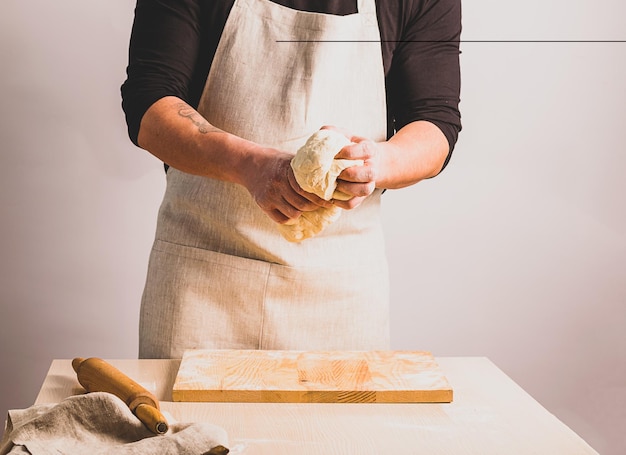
[[490, 414]]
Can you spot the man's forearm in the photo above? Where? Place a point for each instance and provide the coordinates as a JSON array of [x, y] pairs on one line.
[[178, 135], [416, 152]]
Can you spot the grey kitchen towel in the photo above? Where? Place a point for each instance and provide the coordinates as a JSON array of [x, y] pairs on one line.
[[100, 423]]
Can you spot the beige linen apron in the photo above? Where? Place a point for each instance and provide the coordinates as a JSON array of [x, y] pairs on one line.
[[220, 274]]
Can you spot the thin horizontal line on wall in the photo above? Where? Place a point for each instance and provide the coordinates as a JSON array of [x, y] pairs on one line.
[[451, 41]]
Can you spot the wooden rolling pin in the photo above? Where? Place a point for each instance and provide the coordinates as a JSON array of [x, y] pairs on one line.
[[96, 375]]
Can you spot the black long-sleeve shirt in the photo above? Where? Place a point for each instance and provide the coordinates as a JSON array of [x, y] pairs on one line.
[[173, 43]]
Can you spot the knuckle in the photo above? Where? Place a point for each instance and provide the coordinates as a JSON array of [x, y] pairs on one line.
[[365, 189], [353, 203]]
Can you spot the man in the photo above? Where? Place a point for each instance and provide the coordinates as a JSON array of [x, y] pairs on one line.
[[224, 92]]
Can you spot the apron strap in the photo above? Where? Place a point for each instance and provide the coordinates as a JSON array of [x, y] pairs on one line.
[[366, 6]]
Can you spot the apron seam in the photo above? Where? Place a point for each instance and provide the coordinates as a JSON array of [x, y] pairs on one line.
[[272, 268], [196, 253], [263, 311]]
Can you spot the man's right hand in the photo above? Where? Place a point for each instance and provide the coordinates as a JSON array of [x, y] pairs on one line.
[[273, 186], [178, 135]]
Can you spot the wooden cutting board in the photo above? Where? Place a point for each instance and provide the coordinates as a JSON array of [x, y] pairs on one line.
[[310, 377]]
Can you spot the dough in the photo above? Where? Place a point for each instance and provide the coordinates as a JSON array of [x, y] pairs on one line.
[[314, 165], [316, 171]]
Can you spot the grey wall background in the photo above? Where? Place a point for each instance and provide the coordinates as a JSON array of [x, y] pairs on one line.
[[516, 252]]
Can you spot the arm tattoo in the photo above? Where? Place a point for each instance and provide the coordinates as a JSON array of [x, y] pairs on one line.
[[184, 110]]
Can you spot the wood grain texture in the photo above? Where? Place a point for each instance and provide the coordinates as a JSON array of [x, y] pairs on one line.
[[257, 376], [490, 415]]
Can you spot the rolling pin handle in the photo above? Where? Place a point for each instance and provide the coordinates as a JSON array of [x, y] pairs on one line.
[[76, 363], [96, 375], [151, 418], [217, 450]]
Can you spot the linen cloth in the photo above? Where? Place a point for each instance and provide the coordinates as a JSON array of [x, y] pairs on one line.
[[100, 423]]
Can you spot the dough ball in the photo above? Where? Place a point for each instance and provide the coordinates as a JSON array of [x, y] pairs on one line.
[[315, 166], [316, 171], [309, 224]]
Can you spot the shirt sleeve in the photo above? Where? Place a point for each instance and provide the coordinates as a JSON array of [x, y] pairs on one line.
[[164, 45], [424, 78]]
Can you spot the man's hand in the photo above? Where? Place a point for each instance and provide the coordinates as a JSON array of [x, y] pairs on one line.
[[274, 188], [416, 152], [358, 182]]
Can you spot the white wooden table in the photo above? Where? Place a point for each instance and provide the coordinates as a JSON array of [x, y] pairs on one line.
[[490, 414]]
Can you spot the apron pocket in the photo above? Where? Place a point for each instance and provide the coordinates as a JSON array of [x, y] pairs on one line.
[[200, 299], [315, 308]]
